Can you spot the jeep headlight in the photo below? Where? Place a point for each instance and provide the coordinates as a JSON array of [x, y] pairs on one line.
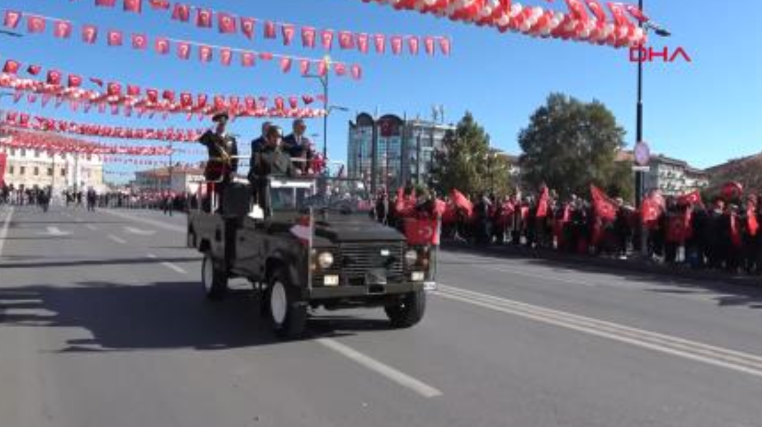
[[325, 260], [411, 257]]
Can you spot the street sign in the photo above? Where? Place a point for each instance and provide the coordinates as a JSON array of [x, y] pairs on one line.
[[641, 168], [642, 154]]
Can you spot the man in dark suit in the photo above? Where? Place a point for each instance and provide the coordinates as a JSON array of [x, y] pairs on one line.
[[260, 142], [298, 146], [222, 149]]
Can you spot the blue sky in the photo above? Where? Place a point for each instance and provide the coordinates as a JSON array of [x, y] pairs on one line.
[[705, 112]]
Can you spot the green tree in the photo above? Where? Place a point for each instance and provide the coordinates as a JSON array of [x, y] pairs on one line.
[[570, 144], [467, 162]]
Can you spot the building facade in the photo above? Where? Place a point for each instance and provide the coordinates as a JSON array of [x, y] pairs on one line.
[[674, 177], [28, 168], [405, 149], [183, 179]]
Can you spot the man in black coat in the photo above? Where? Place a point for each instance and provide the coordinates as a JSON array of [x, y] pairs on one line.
[[222, 149], [270, 160], [298, 146]]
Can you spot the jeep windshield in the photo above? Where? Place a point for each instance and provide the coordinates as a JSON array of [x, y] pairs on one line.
[[334, 194]]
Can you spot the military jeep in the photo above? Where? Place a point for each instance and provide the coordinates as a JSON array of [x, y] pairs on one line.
[[306, 243]]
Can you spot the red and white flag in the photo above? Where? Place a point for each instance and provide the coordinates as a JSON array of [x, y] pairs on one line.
[[89, 33], [326, 36], [288, 32], [597, 10], [304, 66], [285, 64], [445, 45], [181, 12], [74, 80], [62, 29], [161, 46], [413, 43], [114, 38], [248, 59], [35, 24], [226, 23], [346, 40], [248, 25], [204, 18], [205, 53], [183, 50], [226, 56], [54, 77], [12, 19], [133, 6], [105, 3], [270, 32], [636, 13], [428, 44], [396, 42], [356, 72], [139, 41], [379, 40], [362, 43], [34, 69], [308, 37]]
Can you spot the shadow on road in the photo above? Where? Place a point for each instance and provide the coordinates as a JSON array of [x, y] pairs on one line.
[[155, 316], [726, 291], [94, 262]]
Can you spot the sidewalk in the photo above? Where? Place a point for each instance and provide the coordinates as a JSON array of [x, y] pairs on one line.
[[632, 264]]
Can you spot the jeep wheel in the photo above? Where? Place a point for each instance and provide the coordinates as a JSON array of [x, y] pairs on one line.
[[407, 312], [288, 315], [214, 280]]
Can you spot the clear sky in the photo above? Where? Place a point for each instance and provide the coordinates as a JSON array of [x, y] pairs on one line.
[[704, 112]]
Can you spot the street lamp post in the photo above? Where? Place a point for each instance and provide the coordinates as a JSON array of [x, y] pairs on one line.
[[324, 83]]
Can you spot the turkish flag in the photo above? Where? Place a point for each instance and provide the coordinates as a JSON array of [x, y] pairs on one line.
[[133, 6], [35, 24], [636, 13], [308, 37], [597, 10], [54, 77], [266, 56], [33, 69], [735, 231], [650, 211], [161, 45], [250, 103], [226, 23], [396, 42], [247, 26], [346, 40], [114, 38], [280, 104], [326, 36], [186, 100], [105, 3], [542, 204], [285, 64], [96, 81], [307, 99], [428, 44], [114, 89], [751, 220], [12, 18], [379, 40], [159, 4], [340, 69], [11, 67], [732, 190], [445, 45], [201, 100], [139, 41], [226, 55], [219, 102], [133, 90], [183, 50], [322, 68], [204, 18], [293, 102], [168, 95], [421, 232], [693, 198], [89, 33], [152, 95], [62, 29], [205, 53], [462, 202], [413, 43], [362, 43], [74, 80], [248, 59], [181, 12], [304, 66], [356, 72], [270, 32], [604, 207], [288, 32]]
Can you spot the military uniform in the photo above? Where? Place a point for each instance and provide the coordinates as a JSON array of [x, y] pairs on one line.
[[221, 165]]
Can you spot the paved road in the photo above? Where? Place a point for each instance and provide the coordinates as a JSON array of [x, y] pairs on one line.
[[102, 324]]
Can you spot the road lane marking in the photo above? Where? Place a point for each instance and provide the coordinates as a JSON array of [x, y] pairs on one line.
[[4, 230], [91, 227], [148, 221], [55, 232], [174, 267], [117, 239], [139, 232], [392, 374], [717, 356]]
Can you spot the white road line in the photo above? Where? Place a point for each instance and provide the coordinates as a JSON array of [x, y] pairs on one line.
[[91, 227], [400, 378], [174, 267], [148, 221], [4, 230], [730, 359], [117, 239]]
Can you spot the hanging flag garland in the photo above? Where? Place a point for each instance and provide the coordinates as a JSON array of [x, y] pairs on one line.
[[184, 48], [230, 23], [54, 143], [537, 21], [46, 124], [130, 99]]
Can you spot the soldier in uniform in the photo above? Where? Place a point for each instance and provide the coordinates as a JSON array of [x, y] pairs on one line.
[[222, 149], [270, 160]]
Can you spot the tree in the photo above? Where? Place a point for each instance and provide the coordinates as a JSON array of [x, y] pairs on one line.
[[570, 144], [467, 162], [747, 171]]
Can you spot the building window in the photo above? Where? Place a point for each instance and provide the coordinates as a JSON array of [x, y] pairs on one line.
[[10, 170], [36, 153], [23, 152], [63, 172], [36, 171], [13, 151], [50, 171], [22, 170]]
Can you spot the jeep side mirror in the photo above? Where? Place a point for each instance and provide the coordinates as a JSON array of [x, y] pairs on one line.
[[257, 214]]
